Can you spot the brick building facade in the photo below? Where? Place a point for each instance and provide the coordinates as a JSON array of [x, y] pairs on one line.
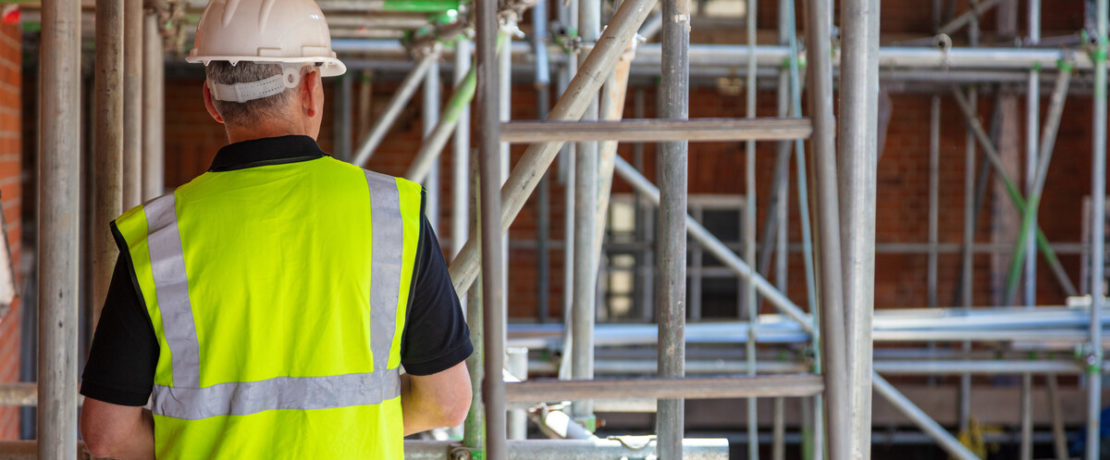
[[11, 181], [192, 139]]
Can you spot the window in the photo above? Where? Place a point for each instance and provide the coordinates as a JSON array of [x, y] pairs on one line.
[[627, 284]]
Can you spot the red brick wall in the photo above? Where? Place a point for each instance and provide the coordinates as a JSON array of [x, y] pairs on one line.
[[10, 193], [915, 17]]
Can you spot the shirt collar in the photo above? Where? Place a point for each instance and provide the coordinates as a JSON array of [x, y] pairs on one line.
[[266, 151]]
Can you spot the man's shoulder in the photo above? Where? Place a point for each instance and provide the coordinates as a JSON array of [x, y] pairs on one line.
[[403, 185], [131, 213]]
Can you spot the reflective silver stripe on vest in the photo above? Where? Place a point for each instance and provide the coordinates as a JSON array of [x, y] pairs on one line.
[[385, 264], [300, 393], [167, 262]]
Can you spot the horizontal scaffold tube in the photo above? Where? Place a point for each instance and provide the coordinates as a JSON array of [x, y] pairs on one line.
[[798, 385], [891, 367], [890, 58], [656, 130]]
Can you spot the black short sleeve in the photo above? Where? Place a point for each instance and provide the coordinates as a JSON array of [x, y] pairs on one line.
[[436, 336], [124, 352]]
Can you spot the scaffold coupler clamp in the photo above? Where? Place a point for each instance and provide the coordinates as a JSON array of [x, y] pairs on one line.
[[466, 453], [944, 42], [509, 13], [421, 49], [565, 38], [508, 19], [1095, 49], [1066, 63], [1093, 361]]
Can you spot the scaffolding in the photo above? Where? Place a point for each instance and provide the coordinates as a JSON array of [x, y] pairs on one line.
[[837, 327]]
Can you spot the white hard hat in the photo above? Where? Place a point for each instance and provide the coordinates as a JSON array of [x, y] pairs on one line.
[[265, 31]]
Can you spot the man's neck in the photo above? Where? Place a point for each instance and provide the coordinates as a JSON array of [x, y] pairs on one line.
[[240, 134]]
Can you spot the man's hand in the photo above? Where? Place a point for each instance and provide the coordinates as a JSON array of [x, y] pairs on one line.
[[115, 431], [437, 400]]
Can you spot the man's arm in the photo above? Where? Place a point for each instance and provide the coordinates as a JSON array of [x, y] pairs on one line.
[[436, 342], [437, 400], [115, 431], [119, 374]]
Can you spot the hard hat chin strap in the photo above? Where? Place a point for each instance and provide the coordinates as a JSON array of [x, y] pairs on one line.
[[290, 77]]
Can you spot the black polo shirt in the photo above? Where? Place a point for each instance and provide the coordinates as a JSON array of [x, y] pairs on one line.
[[121, 364]]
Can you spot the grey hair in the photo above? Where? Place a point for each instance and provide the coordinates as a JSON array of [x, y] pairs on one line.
[[240, 113]]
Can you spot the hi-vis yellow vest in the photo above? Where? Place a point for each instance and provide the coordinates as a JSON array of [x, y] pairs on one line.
[[278, 295]]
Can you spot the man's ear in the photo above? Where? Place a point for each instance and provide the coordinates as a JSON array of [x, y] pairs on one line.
[[310, 82], [210, 106]]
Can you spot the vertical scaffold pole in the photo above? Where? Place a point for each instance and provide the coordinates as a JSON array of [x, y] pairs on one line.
[[489, 165], [585, 228], [474, 428], [132, 102], [814, 440], [570, 13], [59, 227], [344, 116], [834, 346], [504, 98], [1098, 237], [543, 211], [967, 261], [859, 92], [430, 116], [154, 108], [934, 200], [674, 104], [1032, 144], [109, 147], [460, 163], [750, 202], [781, 211]]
